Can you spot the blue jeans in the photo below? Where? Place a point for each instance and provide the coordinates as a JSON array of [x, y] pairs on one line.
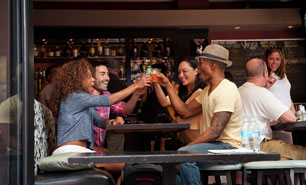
[[190, 172]]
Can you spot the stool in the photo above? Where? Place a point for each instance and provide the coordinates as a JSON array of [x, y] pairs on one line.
[[229, 171], [78, 177], [283, 170]]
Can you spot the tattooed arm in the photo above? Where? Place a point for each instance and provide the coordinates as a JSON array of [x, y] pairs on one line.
[[218, 124]]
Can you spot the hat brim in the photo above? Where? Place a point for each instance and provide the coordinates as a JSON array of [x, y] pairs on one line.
[[227, 62]]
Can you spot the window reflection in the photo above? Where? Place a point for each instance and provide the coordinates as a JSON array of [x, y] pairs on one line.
[[10, 104]]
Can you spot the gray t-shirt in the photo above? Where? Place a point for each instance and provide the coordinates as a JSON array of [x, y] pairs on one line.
[[77, 115]]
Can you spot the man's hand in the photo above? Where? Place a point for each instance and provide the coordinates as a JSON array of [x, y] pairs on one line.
[[140, 92], [163, 80], [143, 82]]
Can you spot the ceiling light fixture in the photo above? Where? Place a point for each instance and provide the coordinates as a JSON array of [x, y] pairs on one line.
[[237, 27], [290, 26]]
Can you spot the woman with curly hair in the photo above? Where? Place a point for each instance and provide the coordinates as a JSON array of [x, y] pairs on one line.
[[74, 106]]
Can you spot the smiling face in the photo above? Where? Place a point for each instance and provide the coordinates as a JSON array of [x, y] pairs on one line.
[[186, 73], [274, 61], [102, 78], [88, 82]]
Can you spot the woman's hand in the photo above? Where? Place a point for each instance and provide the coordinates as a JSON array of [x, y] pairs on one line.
[[144, 81], [118, 121], [163, 80], [271, 80]]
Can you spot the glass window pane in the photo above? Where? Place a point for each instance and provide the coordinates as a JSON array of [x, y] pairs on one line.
[[10, 104]]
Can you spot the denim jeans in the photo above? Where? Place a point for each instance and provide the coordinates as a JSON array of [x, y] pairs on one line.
[[190, 172]]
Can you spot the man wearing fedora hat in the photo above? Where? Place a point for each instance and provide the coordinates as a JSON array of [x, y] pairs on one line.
[[220, 104]]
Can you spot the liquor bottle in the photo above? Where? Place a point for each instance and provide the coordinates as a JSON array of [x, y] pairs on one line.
[[168, 51], [67, 50], [92, 50], [83, 50], [51, 52], [100, 49], [134, 50], [57, 51], [106, 49], [43, 52], [121, 72], [144, 51], [75, 52], [120, 50], [35, 52], [157, 51], [143, 67]]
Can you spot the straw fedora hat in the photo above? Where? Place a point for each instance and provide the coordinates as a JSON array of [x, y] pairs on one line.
[[217, 53]]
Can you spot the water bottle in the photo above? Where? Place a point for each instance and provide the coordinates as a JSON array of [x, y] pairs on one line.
[[254, 134], [244, 133]]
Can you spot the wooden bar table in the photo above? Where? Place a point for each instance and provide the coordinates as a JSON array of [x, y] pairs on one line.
[[291, 126], [149, 127], [169, 159]]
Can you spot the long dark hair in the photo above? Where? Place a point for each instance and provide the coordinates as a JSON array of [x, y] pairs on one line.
[[182, 90]]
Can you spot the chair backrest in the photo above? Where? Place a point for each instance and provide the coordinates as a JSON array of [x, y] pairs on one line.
[[40, 135]]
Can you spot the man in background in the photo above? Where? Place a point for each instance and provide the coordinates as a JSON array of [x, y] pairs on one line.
[[115, 84], [260, 102], [45, 94]]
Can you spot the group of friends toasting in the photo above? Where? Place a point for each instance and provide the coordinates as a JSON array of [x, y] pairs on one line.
[[82, 105]]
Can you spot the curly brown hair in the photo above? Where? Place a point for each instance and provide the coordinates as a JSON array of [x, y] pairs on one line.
[[68, 80]]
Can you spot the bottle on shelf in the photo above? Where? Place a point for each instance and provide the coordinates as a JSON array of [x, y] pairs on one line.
[[120, 50], [58, 51], [134, 50], [157, 52], [144, 52], [75, 52], [99, 49], [83, 50], [68, 51], [43, 52], [121, 71], [51, 52], [106, 49], [113, 52], [35, 52], [92, 50], [167, 49]]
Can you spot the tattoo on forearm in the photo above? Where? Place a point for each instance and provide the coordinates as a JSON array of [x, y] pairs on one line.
[[218, 123]]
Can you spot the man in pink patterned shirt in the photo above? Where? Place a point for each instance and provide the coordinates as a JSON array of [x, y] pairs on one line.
[[121, 109]]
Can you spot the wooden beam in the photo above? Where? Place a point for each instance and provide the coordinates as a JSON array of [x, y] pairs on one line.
[[104, 5], [193, 4]]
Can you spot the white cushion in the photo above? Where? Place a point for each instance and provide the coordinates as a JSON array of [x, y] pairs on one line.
[[275, 164], [223, 167], [59, 162]]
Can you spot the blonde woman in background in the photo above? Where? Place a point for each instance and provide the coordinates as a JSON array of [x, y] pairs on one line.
[[279, 85]]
